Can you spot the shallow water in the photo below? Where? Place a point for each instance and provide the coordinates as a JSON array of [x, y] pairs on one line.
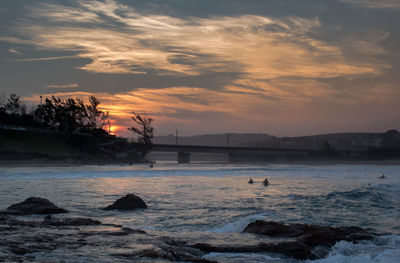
[[214, 202]]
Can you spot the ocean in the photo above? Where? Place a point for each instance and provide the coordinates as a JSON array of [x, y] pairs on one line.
[[213, 203]]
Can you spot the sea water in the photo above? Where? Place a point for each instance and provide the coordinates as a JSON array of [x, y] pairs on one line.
[[214, 202]]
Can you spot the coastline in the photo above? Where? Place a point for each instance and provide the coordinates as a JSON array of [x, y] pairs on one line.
[[75, 163]]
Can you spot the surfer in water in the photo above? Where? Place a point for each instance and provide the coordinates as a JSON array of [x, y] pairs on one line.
[[251, 181], [382, 176], [265, 182]]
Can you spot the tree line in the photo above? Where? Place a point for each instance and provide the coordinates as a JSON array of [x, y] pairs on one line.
[[55, 114], [69, 115]]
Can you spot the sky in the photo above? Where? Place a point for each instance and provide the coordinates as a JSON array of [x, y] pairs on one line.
[[282, 67]]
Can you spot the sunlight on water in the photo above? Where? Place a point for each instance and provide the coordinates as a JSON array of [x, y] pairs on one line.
[[215, 201]]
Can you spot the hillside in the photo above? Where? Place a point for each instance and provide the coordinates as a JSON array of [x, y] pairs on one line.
[[21, 143], [231, 139], [340, 141]]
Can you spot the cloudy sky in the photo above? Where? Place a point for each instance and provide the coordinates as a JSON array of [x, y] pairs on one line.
[[284, 67]]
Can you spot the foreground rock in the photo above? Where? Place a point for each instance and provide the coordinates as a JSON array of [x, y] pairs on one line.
[[307, 237], [85, 239], [298, 241], [292, 249], [126, 203], [34, 205], [77, 221]]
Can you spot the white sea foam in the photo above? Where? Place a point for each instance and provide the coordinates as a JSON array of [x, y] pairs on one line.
[[384, 249], [240, 224]]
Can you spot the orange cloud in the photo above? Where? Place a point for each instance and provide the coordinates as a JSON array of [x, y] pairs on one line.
[[280, 65], [277, 104], [256, 46]]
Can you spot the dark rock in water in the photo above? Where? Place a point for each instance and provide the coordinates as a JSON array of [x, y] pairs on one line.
[[123, 232], [309, 234], [306, 237], [128, 202], [35, 205], [228, 249], [130, 230], [328, 236], [275, 229], [24, 240], [78, 221], [8, 220], [301, 240], [295, 249], [20, 250]]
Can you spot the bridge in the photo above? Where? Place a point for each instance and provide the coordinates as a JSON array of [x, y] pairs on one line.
[[240, 154]]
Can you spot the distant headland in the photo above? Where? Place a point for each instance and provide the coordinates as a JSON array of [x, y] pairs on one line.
[[72, 132]]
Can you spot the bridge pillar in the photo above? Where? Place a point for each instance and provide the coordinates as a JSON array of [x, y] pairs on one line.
[[183, 157], [233, 158]]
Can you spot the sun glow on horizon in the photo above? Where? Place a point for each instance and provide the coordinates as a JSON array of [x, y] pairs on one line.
[[239, 71]]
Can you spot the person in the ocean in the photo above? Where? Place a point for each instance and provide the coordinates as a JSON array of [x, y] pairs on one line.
[[265, 182], [251, 181], [151, 165], [382, 176]]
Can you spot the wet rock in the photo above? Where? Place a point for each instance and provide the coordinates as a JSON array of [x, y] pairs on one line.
[[113, 232], [130, 230], [11, 258], [180, 251], [20, 240], [157, 253], [328, 236], [175, 254], [124, 232], [275, 229], [8, 220], [126, 203], [295, 249], [35, 205], [112, 225], [78, 221], [8, 228], [20, 250], [206, 247], [306, 237], [228, 249]]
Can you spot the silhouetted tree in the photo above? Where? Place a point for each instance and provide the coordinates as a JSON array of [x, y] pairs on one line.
[[2, 100], [73, 112], [70, 114], [96, 118], [14, 112], [144, 130], [2, 108], [14, 105]]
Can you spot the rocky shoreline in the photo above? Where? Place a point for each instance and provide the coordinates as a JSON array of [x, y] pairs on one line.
[[24, 240]]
